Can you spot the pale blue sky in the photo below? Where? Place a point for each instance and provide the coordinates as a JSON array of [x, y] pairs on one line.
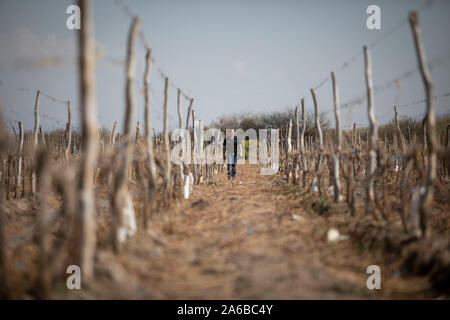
[[231, 56]]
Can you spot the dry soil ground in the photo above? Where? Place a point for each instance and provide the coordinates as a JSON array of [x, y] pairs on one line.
[[248, 238]]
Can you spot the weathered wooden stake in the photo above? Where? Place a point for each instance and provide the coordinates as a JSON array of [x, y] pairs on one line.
[[180, 126], [354, 136], [302, 133], [289, 137], [426, 199], [123, 210], [302, 145], [424, 141], [19, 161], [85, 223], [399, 132], [189, 113], [336, 154], [68, 131], [44, 144], [136, 140], [35, 139], [385, 141], [166, 134], [372, 132], [148, 122], [112, 137], [319, 134], [36, 120], [297, 130], [180, 118], [317, 121], [447, 142]]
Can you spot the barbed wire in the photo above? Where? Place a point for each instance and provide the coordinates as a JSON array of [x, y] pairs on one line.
[[43, 114], [388, 115], [373, 44], [48, 96], [360, 99], [129, 14], [447, 94], [157, 111]]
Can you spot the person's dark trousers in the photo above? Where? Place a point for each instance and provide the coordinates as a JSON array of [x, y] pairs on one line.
[[231, 161]]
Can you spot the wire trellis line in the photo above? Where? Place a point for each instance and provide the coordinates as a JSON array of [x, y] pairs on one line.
[[373, 44], [129, 14]]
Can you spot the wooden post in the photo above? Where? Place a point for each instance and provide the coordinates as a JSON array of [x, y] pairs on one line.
[[350, 185], [194, 165], [85, 220], [189, 113], [385, 141], [124, 218], [14, 130], [336, 112], [166, 134], [136, 140], [424, 141], [447, 142], [409, 135], [317, 121], [180, 119], [367, 138], [372, 139], [354, 136], [335, 156], [35, 139], [302, 145], [74, 143], [147, 117], [426, 199], [180, 125], [36, 120], [297, 130], [10, 174], [68, 130], [148, 138], [44, 144], [399, 132], [319, 134], [199, 152], [302, 133], [155, 142], [112, 138], [19, 162], [289, 137]]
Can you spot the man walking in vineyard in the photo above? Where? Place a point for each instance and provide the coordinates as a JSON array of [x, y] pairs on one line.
[[231, 144]]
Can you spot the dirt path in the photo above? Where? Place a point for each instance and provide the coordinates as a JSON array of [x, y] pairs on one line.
[[248, 238]]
